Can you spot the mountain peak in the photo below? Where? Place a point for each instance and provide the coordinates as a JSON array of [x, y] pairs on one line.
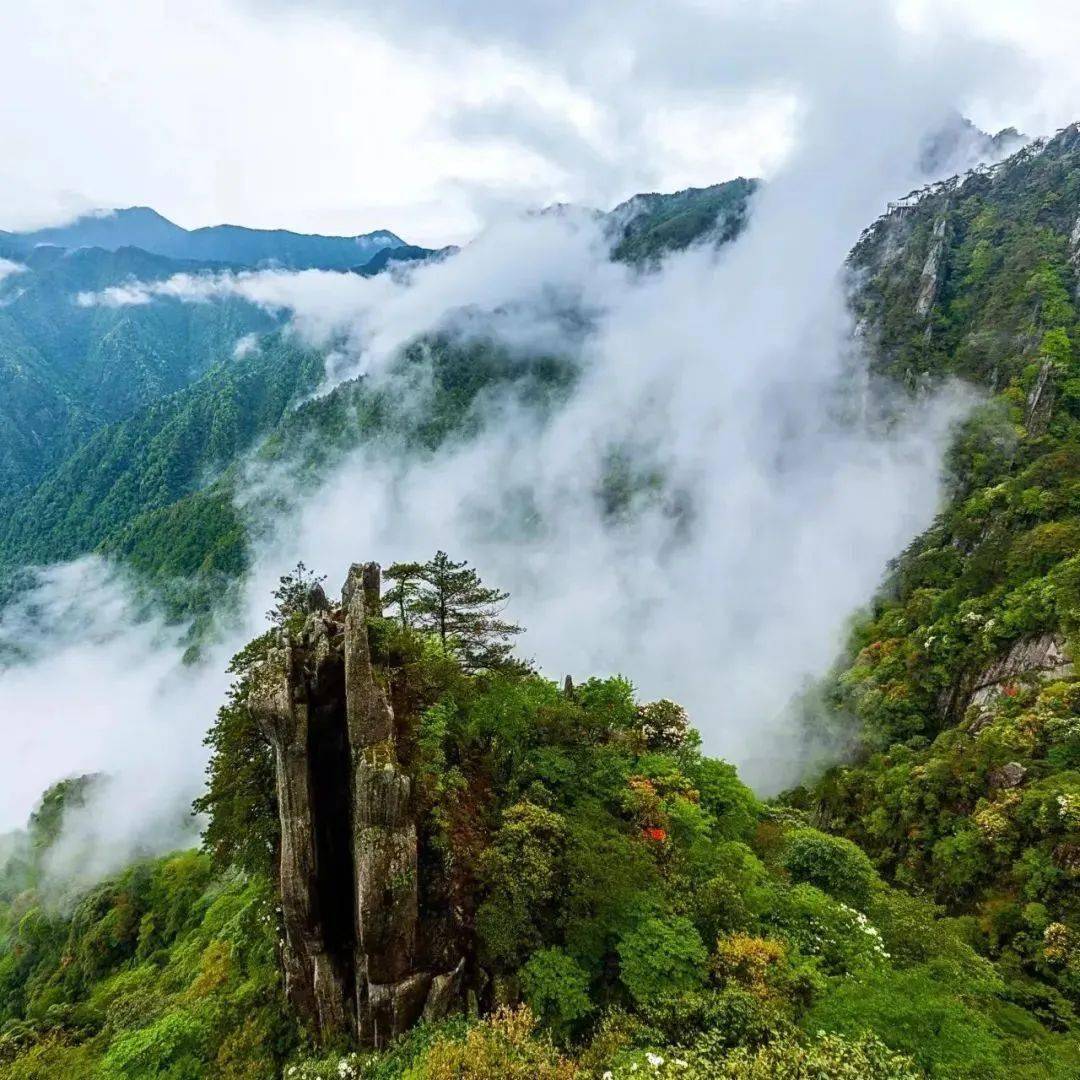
[[146, 228], [130, 213]]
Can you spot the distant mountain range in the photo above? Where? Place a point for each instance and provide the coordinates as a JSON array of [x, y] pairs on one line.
[[67, 371], [143, 227]]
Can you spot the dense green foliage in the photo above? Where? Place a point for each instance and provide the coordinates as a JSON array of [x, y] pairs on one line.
[[632, 907], [165, 451], [66, 369], [973, 800], [167, 970]]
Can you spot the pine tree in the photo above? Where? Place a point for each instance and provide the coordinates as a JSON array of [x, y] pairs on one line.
[[451, 601], [298, 591], [402, 595]]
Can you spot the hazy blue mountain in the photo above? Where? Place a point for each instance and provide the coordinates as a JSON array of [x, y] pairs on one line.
[[404, 253], [67, 369], [142, 227]]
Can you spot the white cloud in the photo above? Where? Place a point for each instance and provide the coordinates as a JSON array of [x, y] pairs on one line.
[[344, 117], [102, 687], [245, 346], [9, 268]]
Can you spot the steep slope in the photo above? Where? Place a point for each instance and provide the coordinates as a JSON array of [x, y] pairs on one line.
[[142, 227], [561, 860], [128, 494], [167, 449], [960, 679], [67, 369], [159, 490]]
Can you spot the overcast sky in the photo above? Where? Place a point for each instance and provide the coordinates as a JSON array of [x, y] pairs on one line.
[[431, 117]]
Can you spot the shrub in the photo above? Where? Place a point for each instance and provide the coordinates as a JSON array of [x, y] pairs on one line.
[[556, 988], [661, 957], [521, 873], [829, 1057], [172, 1047], [833, 864], [503, 1047], [839, 938]]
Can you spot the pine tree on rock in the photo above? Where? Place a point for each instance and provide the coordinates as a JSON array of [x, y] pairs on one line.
[[407, 578], [449, 599], [299, 592]]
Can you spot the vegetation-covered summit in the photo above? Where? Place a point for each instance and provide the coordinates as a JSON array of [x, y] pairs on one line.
[[624, 905], [960, 684]]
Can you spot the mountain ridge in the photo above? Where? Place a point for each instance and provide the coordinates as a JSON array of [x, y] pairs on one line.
[[613, 885], [146, 228]]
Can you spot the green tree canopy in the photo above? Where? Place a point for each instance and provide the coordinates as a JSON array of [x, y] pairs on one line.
[[448, 598]]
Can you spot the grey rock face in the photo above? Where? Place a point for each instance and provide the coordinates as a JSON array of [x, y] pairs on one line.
[[1042, 658], [315, 979], [1008, 776], [1040, 402], [928, 283], [349, 850], [444, 997]]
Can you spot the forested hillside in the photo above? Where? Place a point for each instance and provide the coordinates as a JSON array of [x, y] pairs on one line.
[[67, 370], [556, 877], [424, 860], [960, 685], [647, 226], [157, 489], [167, 449]]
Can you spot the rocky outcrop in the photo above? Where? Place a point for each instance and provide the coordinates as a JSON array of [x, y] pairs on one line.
[[931, 271], [1007, 777], [1042, 657], [1040, 402], [1074, 250], [352, 955]]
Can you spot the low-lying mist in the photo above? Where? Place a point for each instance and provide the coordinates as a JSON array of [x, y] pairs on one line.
[[704, 514], [93, 682]]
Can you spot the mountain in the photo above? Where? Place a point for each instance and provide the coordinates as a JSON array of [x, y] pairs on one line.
[[559, 864], [142, 227], [554, 879], [959, 686], [960, 145], [171, 446], [646, 226], [66, 369], [157, 475], [403, 253]]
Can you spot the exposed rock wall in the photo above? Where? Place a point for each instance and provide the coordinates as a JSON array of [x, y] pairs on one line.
[[930, 278], [348, 878], [1042, 657], [1040, 402]]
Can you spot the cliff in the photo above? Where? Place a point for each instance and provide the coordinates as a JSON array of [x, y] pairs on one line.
[[357, 961]]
